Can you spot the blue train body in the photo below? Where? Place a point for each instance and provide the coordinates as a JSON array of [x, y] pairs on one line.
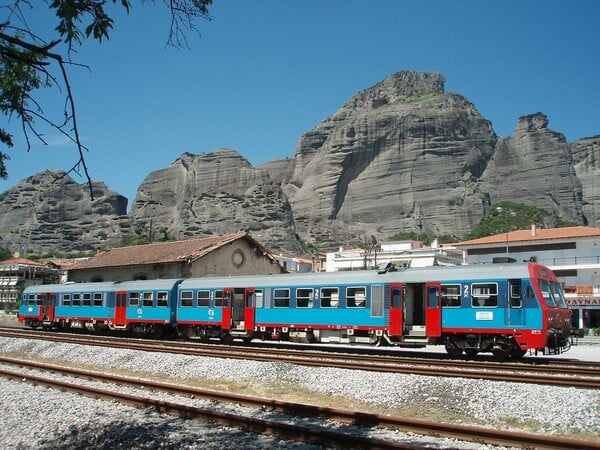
[[503, 309]]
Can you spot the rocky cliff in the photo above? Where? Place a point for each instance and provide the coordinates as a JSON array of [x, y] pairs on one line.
[[50, 213], [403, 155], [217, 193]]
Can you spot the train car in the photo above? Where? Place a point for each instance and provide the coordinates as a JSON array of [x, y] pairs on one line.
[[143, 307], [503, 309]]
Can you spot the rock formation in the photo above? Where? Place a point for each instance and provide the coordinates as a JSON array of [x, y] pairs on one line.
[[402, 155], [217, 193], [50, 213]]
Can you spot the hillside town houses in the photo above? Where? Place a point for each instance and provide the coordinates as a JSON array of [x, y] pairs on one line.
[[573, 253]]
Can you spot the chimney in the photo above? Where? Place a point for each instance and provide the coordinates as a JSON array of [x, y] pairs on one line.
[[533, 230]]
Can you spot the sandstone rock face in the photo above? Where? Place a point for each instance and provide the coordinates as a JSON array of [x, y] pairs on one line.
[[51, 213], [534, 166], [402, 155], [586, 160], [216, 193]]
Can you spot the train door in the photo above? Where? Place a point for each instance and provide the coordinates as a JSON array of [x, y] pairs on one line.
[[433, 310], [120, 308], [249, 309], [514, 304], [227, 316], [396, 313], [47, 311]]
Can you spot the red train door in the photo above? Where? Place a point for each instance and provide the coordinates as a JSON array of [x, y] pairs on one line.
[[47, 309], [433, 310], [249, 311], [120, 308], [227, 305], [396, 318]]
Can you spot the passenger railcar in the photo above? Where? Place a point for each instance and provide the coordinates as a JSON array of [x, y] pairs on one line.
[[503, 309], [143, 307]]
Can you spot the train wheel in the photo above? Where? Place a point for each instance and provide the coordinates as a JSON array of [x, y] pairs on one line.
[[226, 339], [471, 352], [517, 352], [453, 350], [502, 350]]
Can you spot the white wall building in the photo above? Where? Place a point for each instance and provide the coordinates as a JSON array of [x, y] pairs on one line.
[[573, 254], [400, 253]]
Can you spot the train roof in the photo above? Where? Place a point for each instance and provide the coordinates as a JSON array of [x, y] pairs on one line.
[[416, 275], [111, 286]]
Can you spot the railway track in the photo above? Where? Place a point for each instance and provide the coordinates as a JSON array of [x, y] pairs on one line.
[[580, 376], [85, 382]]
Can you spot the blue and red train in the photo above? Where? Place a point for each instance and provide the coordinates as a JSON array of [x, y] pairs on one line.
[[503, 309]]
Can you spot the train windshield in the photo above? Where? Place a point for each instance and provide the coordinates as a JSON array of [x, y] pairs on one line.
[[558, 295], [547, 293]]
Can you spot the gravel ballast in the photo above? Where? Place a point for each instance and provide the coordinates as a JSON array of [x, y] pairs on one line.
[[36, 417]]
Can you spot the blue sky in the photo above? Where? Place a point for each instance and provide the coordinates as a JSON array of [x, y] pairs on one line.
[[265, 71]]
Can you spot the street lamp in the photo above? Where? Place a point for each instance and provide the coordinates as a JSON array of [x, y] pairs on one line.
[[505, 214]]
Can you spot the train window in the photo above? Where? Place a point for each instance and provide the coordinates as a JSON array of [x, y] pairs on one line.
[[558, 295], [39, 299], [484, 295], [530, 293], [66, 299], [356, 297], [433, 297], [147, 299], [186, 299], [203, 298], [305, 297], [514, 288], [281, 298], [31, 299], [134, 298], [451, 295], [330, 297], [547, 294], [162, 299], [218, 299], [76, 299], [87, 299], [98, 297]]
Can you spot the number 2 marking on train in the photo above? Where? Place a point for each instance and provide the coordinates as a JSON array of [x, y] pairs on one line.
[[466, 291]]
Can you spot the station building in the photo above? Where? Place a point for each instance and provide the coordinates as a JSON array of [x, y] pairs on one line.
[[233, 254]]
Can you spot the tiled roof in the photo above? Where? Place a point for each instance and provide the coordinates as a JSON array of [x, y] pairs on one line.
[[539, 235], [23, 261], [163, 252]]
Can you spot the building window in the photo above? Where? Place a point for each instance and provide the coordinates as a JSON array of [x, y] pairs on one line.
[[451, 295], [356, 297], [330, 297], [484, 295], [305, 297], [281, 298]]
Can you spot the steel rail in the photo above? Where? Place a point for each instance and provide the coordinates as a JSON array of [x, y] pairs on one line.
[[520, 373], [328, 437]]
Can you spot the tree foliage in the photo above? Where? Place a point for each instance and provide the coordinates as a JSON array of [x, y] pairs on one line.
[[29, 61], [507, 216]]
